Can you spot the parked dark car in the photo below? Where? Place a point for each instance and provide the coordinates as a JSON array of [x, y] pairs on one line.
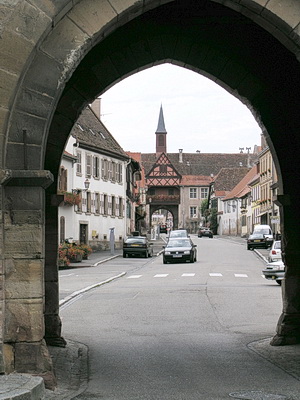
[[137, 246], [203, 231], [257, 241], [275, 271], [179, 249]]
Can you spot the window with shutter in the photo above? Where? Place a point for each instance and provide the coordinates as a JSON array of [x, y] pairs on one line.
[[97, 203], [78, 163], [113, 205], [105, 204], [96, 167], [88, 202], [88, 166]]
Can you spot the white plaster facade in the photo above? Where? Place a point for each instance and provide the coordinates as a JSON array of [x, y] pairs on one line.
[[103, 205]]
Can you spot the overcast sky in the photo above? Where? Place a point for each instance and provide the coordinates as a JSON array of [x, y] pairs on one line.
[[198, 114]]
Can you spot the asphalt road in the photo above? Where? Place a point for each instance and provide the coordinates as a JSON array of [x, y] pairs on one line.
[[179, 331]]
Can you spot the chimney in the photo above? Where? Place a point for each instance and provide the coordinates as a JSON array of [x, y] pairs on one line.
[[96, 107], [180, 155]]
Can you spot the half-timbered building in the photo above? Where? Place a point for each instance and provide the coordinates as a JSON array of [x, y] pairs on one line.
[[179, 182]]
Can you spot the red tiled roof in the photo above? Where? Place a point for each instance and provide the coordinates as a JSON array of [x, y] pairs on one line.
[[242, 188], [195, 180]]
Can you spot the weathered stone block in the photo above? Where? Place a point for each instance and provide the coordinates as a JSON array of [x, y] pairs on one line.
[[34, 355], [24, 320], [28, 217], [23, 279], [51, 297], [8, 83], [122, 5], [23, 198], [64, 43], [21, 122], [8, 358], [14, 50], [52, 9], [288, 11], [23, 241], [31, 22], [92, 16], [40, 78]]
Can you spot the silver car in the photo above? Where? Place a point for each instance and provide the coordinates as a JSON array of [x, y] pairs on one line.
[[275, 271], [275, 252]]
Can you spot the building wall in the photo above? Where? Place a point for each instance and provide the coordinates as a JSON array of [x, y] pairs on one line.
[[98, 223]]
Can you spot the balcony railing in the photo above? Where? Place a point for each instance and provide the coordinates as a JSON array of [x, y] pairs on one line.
[[163, 199]]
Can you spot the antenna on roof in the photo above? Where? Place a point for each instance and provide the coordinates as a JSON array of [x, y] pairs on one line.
[[241, 149]]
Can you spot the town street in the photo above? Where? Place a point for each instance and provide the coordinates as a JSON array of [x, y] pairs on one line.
[[179, 331]]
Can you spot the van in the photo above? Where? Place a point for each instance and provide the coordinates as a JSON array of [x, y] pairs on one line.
[[266, 231]]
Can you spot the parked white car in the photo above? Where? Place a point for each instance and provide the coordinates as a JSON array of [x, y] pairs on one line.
[[275, 252]]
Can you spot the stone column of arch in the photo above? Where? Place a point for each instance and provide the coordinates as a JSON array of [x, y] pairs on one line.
[[22, 245]]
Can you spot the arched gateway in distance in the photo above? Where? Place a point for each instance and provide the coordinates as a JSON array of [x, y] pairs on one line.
[[57, 57]]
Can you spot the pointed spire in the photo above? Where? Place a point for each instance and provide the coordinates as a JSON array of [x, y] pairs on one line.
[[161, 134], [161, 122]]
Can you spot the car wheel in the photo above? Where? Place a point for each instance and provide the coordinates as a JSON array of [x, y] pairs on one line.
[[279, 282], [248, 248], [192, 259], [164, 261], [124, 255], [146, 254]]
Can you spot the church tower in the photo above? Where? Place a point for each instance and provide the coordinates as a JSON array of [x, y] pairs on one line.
[[161, 134]]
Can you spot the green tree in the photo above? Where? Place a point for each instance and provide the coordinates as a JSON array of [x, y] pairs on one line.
[[213, 220], [203, 207]]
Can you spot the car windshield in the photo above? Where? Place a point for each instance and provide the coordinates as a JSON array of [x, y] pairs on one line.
[[135, 240], [263, 231], [277, 245], [179, 243], [256, 235]]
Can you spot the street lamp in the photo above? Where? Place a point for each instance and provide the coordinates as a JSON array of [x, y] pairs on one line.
[[86, 184]]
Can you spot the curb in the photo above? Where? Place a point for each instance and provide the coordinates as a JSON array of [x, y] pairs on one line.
[[106, 259], [78, 292], [21, 387]]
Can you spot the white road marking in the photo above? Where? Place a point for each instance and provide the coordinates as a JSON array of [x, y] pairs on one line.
[[215, 274], [62, 276], [134, 276], [161, 275], [188, 274], [241, 275]]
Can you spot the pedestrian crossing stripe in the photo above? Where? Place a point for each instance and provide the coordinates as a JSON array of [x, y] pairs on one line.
[[190, 274]]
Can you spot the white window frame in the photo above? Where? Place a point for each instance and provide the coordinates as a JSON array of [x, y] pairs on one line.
[[193, 193], [193, 211]]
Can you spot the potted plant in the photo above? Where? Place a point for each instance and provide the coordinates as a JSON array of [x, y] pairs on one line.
[[71, 199], [87, 250], [75, 254], [63, 260]]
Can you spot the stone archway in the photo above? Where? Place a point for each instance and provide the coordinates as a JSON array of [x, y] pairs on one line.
[[173, 209], [73, 51]]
